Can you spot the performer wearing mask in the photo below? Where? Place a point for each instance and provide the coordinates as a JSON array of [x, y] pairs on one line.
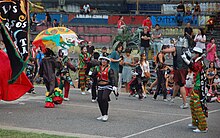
[[65, 78], [106, 84], [198, 96], [47, 71]]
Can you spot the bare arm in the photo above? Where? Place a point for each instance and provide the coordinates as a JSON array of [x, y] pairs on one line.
[[169, 50], [114, 60], [211, 48], [160, 58], [203, 39]]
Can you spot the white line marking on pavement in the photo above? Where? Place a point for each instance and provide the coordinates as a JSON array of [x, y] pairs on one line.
[[131, 110], [49, 132], [118, 109], [163, 125]]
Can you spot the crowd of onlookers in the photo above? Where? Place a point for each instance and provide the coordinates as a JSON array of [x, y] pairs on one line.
[[47, 21], [124, 64]]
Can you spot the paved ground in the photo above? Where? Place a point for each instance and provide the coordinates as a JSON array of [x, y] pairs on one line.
[[128, 117]]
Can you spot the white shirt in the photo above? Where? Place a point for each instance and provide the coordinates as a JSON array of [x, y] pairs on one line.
[[200, 44], [189, 80], [145, 68], [86, 8], [217, 81]]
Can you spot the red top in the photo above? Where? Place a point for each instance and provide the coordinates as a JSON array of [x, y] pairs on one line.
[[103, 74], [148, 23], [210, 21], [120, 23]]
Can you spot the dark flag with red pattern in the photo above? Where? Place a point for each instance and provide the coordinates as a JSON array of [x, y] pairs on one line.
[[14, 20]]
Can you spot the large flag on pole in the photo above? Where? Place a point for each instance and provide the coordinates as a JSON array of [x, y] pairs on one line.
[[14, 20], [10, 92]]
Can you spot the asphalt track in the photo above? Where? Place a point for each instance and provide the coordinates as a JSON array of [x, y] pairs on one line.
[[128, 117]]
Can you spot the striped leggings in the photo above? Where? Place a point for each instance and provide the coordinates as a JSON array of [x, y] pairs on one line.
[[83, 79], [198, 117]]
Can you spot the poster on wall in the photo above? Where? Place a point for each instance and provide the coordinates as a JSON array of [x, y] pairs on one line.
[[168, 8], [168, 20]]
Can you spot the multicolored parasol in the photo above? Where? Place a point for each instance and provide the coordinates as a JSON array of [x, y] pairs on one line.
[[56, 36]]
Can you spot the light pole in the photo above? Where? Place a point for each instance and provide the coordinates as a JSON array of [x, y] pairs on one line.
[[61, 4], [137, 6]]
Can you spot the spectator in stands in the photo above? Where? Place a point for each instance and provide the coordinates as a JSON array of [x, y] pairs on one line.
[[86, 8], [121, 24], [211, 50], [188, 33], [188, 8], [90, 48], [34, 22], [200, 39], [197, 9], [180, 13], [210, 74], [156, 36], [145, 41], [210, 24], [196, 12], [47, 19], [55, 23], [147, 22]]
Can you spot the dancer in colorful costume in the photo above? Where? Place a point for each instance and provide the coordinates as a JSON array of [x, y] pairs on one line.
[[47, 71], [106, 84], [65, 79], [198, 95], [84, 59]]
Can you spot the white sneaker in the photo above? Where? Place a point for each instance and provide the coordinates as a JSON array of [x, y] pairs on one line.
[[66, 99], [144, 95], [99, 118], [89, 91], [192, 126], [154, 99], [105, 118], [93, 101], [171, 100], [184, 106], [83, 93], [165, 100], [199, 131]]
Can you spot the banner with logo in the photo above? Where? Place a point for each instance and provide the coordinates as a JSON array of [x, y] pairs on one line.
[[14, 20]]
